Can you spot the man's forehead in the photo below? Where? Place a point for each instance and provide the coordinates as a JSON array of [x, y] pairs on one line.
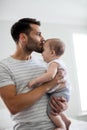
[[35, 27]]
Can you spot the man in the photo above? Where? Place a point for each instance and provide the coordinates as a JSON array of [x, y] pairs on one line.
[[27, 106]]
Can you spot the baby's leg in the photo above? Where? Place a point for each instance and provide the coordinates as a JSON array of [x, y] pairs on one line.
[[66, 120], [58, 121]]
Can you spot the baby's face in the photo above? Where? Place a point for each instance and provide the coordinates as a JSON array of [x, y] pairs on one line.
[[47, 52]]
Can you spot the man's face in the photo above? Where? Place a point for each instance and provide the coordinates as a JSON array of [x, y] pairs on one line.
[[35, 40]]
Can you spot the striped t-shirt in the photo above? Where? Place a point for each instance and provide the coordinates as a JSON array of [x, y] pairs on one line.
[[19, 73]]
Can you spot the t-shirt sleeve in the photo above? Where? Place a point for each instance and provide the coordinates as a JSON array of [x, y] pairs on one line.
[[5, 76]]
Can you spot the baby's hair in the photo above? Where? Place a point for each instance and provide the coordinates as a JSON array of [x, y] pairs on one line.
[[57, 45]]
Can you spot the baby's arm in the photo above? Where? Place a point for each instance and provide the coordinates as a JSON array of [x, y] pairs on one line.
[[49, 75]]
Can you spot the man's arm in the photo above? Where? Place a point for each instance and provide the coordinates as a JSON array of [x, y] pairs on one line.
[[17, 102]]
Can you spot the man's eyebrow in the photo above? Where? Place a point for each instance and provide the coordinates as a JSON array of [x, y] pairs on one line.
[[38, 32]]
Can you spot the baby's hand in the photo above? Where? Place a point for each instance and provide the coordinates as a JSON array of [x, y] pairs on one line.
[[31, 83]]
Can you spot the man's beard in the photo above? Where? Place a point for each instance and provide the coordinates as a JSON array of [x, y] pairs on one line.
[[33, 46]]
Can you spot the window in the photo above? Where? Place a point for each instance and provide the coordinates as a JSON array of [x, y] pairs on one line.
[[80, 46]]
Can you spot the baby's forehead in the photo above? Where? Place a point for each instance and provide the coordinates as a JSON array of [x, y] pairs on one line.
[[46, 43]]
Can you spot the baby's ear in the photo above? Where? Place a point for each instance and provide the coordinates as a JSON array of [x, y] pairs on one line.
[[53, 52]]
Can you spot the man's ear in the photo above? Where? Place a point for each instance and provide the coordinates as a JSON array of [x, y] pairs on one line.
[[22, 37]]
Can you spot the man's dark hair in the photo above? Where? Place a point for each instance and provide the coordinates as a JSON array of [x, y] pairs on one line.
[[22, 26]]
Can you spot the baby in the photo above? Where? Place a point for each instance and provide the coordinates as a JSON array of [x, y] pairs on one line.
[[53, 49]]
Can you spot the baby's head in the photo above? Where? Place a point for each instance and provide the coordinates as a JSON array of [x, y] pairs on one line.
[[57, 45], [53, 48]]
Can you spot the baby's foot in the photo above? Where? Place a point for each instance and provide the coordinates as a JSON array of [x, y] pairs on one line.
[[68, 125]]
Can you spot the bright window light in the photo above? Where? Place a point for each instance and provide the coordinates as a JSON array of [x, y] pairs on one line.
[[80, 46]]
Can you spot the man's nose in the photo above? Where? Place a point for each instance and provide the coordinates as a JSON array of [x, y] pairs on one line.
[[43, 41], [42, 38]]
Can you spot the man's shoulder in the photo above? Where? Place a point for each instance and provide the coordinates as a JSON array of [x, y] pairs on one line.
[[4, 60]]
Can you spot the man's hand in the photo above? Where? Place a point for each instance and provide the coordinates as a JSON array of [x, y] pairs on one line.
[[61, 78], [58, 104]]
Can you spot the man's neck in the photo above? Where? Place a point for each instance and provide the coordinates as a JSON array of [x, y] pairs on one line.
[[21, 55]]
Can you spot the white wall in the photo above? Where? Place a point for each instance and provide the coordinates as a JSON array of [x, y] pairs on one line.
[[6, 43], [7, 46]]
